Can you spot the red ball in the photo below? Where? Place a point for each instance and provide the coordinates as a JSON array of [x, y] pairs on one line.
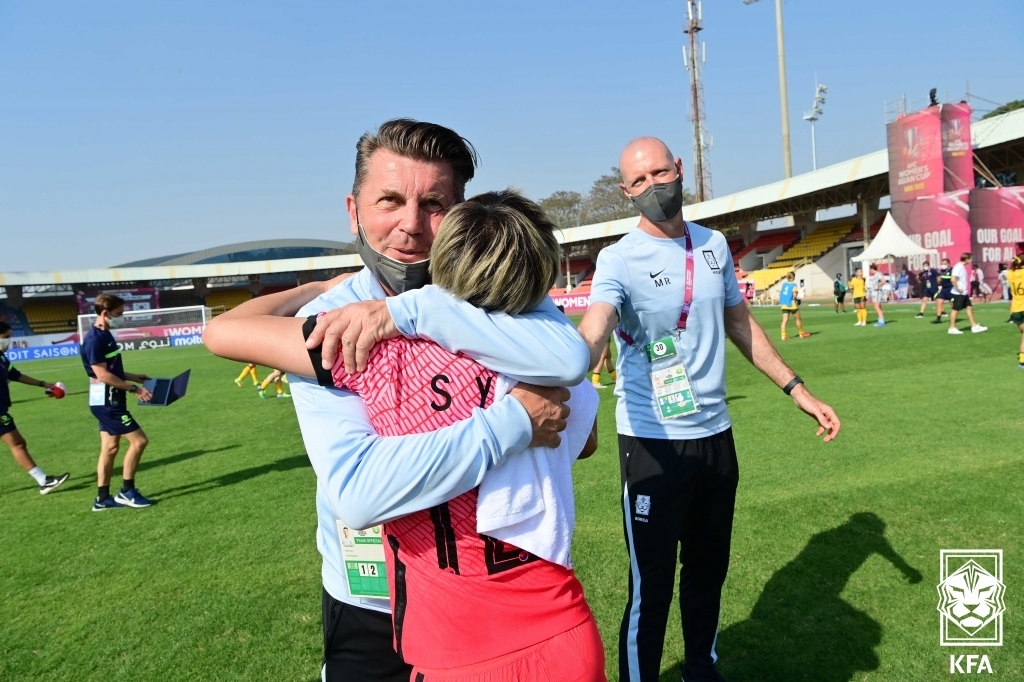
[[56, 391]]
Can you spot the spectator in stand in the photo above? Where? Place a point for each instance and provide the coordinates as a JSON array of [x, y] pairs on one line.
[[876, 292], [961, 279], [929, 279], [839, 289], [945, 289]]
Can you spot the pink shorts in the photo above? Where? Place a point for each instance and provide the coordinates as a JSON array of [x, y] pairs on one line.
[[576, 655]]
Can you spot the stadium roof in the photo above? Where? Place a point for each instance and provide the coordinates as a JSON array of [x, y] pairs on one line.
[[999, 142], [267, 249], [865, 176]]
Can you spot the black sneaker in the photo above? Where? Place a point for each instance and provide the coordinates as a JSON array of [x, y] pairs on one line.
[[52, 483], [937, 320], [919, 315], [710, 675]]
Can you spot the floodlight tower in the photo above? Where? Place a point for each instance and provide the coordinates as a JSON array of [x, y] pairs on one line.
[[787, 158], [813, 115], [694, 63]]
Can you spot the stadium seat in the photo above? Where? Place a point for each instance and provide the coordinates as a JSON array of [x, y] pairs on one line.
[[767, 242], [222, 301], [813, 246], [51, 317]]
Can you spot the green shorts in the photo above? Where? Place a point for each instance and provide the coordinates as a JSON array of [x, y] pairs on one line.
[[1017, 318], [857, 300]]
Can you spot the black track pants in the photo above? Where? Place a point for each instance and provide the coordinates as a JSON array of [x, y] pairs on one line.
[[675, 494], [358, 645]]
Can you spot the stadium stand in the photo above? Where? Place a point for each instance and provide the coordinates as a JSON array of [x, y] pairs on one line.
[[808, 249], [813, 246], [735, 246], [858, 234], [222, 301], [769, 241], [51, 317], [15, 318]]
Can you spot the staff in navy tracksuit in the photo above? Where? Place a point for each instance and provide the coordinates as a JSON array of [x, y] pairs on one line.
[[108, 387]]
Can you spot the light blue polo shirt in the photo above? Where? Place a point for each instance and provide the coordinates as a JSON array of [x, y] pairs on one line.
[[643, 277]]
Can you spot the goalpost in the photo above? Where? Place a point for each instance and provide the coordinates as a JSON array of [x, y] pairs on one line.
[[156, 327]]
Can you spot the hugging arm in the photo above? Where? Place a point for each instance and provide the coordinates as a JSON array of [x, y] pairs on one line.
[[540, 347], [370, 479], [264, 330]]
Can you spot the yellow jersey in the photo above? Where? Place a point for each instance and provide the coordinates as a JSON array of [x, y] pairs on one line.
[[857, 284], [1016, 280]]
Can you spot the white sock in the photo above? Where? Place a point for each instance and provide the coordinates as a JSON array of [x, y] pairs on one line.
[[39, 475]]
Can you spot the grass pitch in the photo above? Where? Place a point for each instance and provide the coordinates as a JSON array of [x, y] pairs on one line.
[[835, 548]]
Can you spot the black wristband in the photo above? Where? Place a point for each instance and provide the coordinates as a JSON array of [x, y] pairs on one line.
[[793, 383], [133, 388]]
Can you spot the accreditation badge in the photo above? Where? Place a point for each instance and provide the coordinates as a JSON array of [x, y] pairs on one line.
[[672, 388], [97, 393], [363, 554]]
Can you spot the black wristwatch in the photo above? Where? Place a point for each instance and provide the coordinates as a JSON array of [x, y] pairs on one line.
[[134, 388], [793, 383]]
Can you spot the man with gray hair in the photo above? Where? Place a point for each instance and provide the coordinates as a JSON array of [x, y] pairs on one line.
[[669, 291], [408, 175]]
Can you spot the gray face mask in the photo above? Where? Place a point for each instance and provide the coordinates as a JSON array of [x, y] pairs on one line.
[[393, 275], [662, 201]]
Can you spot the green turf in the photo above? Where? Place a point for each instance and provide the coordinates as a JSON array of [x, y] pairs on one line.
[[220, 580]]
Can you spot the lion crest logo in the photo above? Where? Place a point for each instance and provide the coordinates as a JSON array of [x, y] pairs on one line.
[[971, 597]]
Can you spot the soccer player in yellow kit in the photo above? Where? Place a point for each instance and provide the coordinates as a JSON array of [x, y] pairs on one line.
[[276, 377], [1016, 279], [860, 297], [249, 369]]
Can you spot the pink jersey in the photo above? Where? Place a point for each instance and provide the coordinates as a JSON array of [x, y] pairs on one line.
[[457, 597]]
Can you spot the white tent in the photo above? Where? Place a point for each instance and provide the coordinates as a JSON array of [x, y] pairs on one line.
[[891, 242]]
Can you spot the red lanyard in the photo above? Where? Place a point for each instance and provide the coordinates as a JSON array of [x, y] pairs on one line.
[[684, 314]]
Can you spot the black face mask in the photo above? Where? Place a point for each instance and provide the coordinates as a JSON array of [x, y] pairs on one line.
[[393, 275], [661, 201]]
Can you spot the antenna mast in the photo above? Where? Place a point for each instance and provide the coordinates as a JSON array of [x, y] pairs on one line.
[[694, 62]]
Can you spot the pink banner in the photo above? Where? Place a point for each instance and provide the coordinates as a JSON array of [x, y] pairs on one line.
[[997, 221], [957, 153], [939, 222], [573, 302], [915, 155]]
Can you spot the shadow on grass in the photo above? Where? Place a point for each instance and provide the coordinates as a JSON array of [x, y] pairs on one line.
[[800, 628], [730, 398], [145, 465], [296, 462]]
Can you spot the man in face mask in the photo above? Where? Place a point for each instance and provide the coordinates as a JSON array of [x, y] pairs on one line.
[[669, 291], [407, 175]]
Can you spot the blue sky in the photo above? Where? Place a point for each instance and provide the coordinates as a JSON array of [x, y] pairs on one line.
[[131, 130]]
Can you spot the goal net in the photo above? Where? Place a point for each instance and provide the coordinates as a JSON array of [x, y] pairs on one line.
[[155, 328]]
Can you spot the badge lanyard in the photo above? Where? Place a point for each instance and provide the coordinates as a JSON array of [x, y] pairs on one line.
[[673, 391], [684, 314]]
